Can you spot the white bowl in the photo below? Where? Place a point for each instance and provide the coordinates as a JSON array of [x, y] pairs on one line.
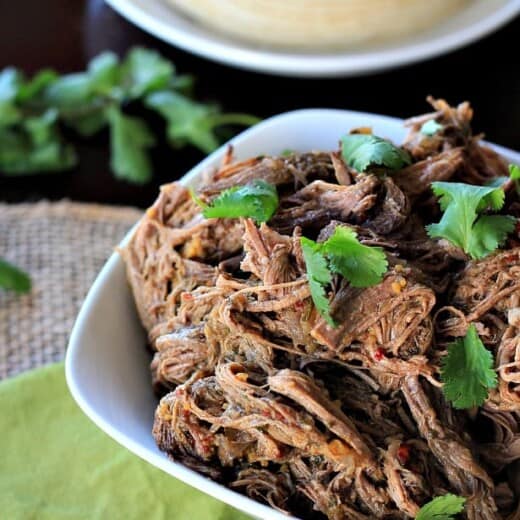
[[107, 363], [475, 21]]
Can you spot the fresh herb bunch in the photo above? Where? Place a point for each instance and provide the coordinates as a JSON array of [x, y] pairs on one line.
[[33, 112]]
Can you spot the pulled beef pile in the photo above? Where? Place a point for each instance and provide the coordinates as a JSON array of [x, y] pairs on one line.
[[260, 393]]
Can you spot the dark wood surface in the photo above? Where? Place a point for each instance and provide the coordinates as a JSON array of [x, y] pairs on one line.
[[65, 34]]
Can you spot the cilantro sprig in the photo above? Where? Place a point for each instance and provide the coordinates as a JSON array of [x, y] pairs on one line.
[[444, 507], [362, 151], [258, 200], [343, 254], [467, 371], [35, 111], [462, 223], [12, 278], [431, 127]]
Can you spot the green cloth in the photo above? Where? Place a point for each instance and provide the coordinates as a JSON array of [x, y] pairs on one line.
[[56, 464]]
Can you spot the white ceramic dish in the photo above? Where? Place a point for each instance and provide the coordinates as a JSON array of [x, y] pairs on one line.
[[473, 22], [107, 364]]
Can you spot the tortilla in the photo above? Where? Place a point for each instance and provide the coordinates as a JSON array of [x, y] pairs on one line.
[[318, 24]]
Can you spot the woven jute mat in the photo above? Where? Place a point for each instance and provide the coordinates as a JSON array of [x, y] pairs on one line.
[[62, 246]]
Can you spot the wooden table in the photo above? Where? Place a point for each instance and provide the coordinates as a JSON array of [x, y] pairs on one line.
[[65, 34]]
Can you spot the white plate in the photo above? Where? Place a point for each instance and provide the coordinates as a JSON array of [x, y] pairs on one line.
[[479, 18], [107, 364]]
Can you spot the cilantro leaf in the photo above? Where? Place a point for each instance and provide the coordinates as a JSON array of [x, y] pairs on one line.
[[431, 127], [192, 122], [104, 73], [12, 278], [497, 182], [10, 80], [514, 172], [467, 371], [144, 71], [69, 92], [444, 507], [318, 275], [361, 265], [489, 232], [129, 140], [361, 151], [35, 146], [461, 223], [258, 200], [341, 253]]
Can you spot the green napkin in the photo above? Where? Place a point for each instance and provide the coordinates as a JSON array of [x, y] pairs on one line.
[[56, 464]]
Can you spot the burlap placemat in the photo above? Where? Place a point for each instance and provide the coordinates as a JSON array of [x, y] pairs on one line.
[[63, 246]]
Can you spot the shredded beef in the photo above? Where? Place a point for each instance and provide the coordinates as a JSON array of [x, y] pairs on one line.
[[259, 392]]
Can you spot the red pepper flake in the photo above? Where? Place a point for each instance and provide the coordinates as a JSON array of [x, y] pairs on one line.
[[379, 354], [187, 296], [403, 454], [299, 305], [266, 413], [511, 258]]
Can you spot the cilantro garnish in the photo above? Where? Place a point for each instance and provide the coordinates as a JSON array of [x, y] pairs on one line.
[[34, 111], [514, 172], [318, 275], [343, 254], [467, 371], [461, 224], [361, 151], [514, 175], [258, 200], [444, 507], [12, 278], [431, 127]]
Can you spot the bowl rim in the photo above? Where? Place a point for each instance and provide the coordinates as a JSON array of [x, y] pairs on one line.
[[114, 262]]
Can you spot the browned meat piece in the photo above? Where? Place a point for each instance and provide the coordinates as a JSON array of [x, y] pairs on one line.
[[319, 202], [480, 163], [269, 255], [385, 316], [461, 469], [405, 467], [392, 212], [483, 164], [418, 177], [456, 130], [507, 396], [301, 389], [344, 174], [274, 489], [295, 169], [504, 448], [336, 499], [491, 283], [157, 272], [179, 354]]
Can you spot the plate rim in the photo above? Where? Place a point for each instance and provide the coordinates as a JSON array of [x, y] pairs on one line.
[[210, 46], [109, 269]]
